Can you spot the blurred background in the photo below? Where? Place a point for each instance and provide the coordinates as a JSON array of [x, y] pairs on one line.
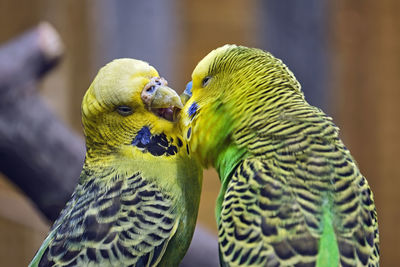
[[346, 55]]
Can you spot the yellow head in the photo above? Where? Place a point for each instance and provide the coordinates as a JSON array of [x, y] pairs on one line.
[[230, 89], [125, 96]]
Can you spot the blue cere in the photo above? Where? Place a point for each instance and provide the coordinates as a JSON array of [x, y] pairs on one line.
[[193, 109], [188, 89], [143, 137]]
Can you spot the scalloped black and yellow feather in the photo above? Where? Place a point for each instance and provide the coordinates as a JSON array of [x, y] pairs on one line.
[[137, 199], [291, 193]]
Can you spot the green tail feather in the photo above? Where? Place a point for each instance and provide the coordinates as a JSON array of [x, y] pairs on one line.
[[328, 251]]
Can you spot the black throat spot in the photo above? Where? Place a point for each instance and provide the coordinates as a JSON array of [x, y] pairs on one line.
[[157, 145]]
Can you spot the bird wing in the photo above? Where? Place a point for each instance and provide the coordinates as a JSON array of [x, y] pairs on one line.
[[128, 223], [274, 216], [259, 215]]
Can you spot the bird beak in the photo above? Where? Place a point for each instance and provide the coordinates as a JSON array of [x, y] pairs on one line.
[[156, 94], [166, 97], [187, 94]]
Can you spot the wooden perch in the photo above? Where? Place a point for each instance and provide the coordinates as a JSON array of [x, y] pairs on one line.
[[27, 58], [37, 151]]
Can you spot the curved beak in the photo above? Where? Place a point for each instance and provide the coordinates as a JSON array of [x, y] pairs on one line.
[[156, 94], [187, 93], [166, 97]]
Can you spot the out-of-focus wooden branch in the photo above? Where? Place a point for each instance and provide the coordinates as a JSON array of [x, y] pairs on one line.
[[37, 151]]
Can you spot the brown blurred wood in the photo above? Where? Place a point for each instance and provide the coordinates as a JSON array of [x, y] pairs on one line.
[[19, 240], [367, 49], [18, 208], [25, 59], [65, 88], [22, 228], [296, 32], [207, 25], [78, 44], [37, 152], [17, 16]]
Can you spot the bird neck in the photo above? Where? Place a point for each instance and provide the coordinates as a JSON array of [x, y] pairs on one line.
[[99, 164], [227, 161], [158, 159]]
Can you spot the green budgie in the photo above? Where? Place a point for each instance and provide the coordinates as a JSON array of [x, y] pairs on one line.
[[291, 193], [137, 199]]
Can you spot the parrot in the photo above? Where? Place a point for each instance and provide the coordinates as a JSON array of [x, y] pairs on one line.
[[138, 194], [291, 193]]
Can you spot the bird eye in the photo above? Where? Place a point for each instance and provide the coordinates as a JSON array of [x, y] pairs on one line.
[[150, 89], [124, 110], [206, 81]]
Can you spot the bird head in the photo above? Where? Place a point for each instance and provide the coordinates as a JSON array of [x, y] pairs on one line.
[[125, 96], [229, 89]]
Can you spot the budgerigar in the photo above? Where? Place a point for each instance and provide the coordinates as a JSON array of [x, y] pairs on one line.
[[137, 199], [291, 194]]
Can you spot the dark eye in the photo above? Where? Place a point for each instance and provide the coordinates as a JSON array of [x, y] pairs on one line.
[[206, 81], [124, 110]]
